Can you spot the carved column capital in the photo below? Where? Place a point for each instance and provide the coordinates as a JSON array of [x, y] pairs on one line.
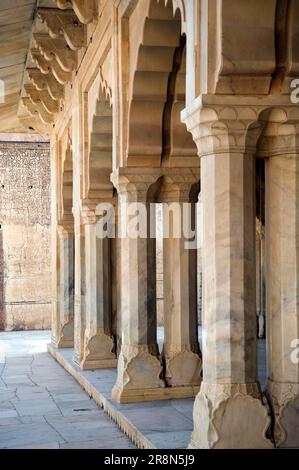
[[281, 135], [134, 186], [222, 124], [180, 185]]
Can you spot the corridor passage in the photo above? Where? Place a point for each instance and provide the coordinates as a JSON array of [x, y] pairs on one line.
[[42, 406]]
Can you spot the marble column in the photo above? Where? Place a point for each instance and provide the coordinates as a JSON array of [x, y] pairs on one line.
[[282, 261], [99, 347], [65, 335], [181, 355], [260, 282], [139, 365], [115, 248], [229, 411], [80, 292]]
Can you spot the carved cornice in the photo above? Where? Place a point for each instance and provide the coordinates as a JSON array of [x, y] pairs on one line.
[[45, 67], [86, 10], [58, 49], [42, 97], [63, 22], [40, 61], [35, 110], [46, 82]]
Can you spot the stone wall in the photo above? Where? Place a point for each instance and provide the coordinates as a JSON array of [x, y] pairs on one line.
[[25, 296]]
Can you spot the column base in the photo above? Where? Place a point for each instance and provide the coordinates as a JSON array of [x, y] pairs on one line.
[[153, 394], [182, 367], [139, 369], [76, 358], [66, 338], [284, 399], [98, 364], [230, 416], [98, 353]]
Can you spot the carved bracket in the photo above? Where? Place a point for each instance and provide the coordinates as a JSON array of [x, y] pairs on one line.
[[58, 49], [35, 110], [45, 67], [86, 10], [65, 22], [46, 82], [43, 97]]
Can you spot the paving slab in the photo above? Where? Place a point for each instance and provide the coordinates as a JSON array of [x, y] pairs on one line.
[[45, 407], [37, 407], [166, 424], [27, 434], [42, 406]]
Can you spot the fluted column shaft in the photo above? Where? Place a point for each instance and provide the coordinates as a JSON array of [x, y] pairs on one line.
[[99, 348], [65, 333], [228, 411], [139, 366], [80, 292], [181, 350], [282, 261]]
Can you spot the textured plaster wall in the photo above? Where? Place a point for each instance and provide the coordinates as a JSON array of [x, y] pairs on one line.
[[25, 296]]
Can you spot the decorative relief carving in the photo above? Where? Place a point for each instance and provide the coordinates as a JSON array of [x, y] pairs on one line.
[[218, 405], [139, 367], [99, 347], [284, 396]]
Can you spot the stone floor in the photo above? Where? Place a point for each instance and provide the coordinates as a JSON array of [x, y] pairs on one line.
[[42, 406], [163, 424]]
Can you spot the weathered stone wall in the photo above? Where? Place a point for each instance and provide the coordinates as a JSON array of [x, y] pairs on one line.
[[25, 297]]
